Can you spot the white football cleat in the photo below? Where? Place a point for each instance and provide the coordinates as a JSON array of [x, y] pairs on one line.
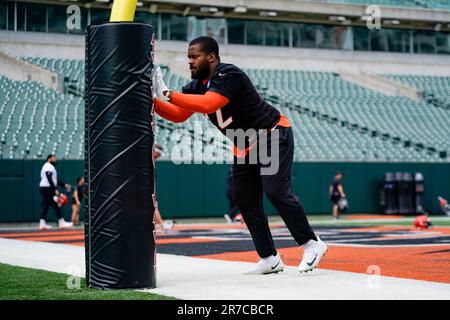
[[228, 218], [63, 224], [168, 224], [314, 251], [43, 225], [272, 264]]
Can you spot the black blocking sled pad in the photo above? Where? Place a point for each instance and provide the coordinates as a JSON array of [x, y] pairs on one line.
[[119, 168]]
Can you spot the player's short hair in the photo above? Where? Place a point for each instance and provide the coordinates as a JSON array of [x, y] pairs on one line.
[[208, 45], [50, 156], [79, 179]]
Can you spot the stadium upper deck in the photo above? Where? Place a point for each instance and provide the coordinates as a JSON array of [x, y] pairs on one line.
[[416, 4], [408, 26]]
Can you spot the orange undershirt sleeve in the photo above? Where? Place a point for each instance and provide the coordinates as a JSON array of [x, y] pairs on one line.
[[170, 111], [284, 122], [204, 103]]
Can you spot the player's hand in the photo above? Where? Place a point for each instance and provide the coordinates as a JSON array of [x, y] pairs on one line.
[[159, 87]]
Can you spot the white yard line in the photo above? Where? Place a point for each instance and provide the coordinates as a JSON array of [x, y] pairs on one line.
[[196, 278]]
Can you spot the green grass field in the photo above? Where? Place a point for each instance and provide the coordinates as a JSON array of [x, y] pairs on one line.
[[437, 221], [17, 283]]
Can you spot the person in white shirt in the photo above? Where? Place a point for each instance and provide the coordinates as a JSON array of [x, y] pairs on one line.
[[48, 187]]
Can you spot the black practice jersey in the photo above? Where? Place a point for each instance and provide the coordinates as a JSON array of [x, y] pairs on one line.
[[80, 190], [245, 110]]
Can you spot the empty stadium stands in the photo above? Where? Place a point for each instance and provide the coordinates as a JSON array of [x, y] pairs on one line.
[[73, 71], [25, 131], [333, 119], [323, 140], [325, 95], [436, 90]]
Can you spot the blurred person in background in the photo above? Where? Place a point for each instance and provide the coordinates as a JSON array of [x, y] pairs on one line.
[[48, 188], [77, 197], [336, 193], [445, 207]]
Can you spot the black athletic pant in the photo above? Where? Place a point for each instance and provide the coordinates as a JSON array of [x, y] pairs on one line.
[[230, 195], [249, 186], [47, 195]]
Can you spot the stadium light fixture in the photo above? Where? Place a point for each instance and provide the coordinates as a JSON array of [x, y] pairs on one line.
[[240, 9], [153, 8], [209, 9], [186, 11], [337, 18], [268, 13], [391, 22], [364, 17]]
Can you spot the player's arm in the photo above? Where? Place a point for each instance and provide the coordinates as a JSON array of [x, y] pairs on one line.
[[171, 112], [163, 108], [61, 183], [49, 176], [341, 190], [204, 103], [207, 103]]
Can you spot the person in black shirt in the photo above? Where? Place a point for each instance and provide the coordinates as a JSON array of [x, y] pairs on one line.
[[77, 197], [227, 96], [336, 193]]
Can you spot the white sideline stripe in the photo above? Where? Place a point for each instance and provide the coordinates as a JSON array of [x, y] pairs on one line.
[[195, 278]]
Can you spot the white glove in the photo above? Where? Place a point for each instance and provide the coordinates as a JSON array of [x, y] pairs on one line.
[[159, 87]]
